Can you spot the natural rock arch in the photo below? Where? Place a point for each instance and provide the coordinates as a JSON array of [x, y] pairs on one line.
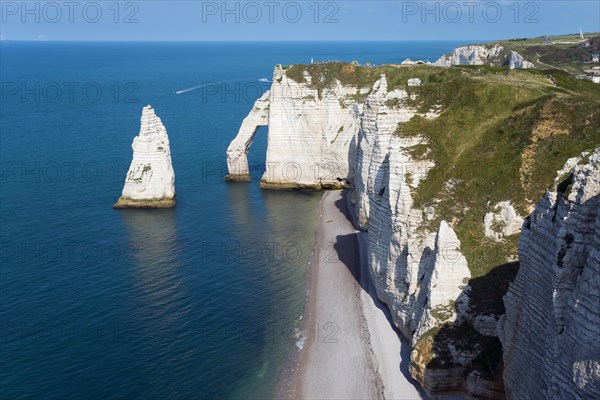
[[237, 152]]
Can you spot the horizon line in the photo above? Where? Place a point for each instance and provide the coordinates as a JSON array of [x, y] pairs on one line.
[[277, 40], [234, 41]]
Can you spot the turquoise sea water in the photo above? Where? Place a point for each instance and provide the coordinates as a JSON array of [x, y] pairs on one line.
[[202, 301]]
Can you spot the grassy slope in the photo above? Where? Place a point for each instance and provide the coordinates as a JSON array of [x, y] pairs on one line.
[[501, 136]]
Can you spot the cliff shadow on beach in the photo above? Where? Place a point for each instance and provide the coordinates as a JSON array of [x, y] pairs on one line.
[[357, 265], [485, 295]]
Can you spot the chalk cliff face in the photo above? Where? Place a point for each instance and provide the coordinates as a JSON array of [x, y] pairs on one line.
[[552, 324], [150, 181], [406, 263], [471, 55], [382, 113], [420, 274], [492, 55], [515, 60], [311, 135]]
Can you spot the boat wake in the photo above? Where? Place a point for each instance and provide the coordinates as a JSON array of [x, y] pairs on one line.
[[195, 88], [191, 89]]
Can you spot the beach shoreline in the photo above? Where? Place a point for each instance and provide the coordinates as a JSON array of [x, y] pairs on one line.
[[285, 381], [351, 350]]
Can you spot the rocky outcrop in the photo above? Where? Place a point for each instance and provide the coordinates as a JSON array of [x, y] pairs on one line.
[[552, 324], [445, 281], [515, 60], [237, 152], [472, 55], [502, 221], [150, 181]]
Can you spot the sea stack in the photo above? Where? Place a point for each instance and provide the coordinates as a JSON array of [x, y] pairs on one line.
[[150, 181]]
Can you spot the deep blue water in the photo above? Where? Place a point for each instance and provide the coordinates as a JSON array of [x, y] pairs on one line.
[[201, 301]]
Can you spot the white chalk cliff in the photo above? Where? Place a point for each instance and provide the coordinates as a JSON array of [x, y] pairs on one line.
[[551, 331], [421, 275], [471, 55], [492, 55], [310, 135], [338, 138], [405, 263], [515, 60], [150, 181]]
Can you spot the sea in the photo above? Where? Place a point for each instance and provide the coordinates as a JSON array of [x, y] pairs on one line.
[[201, 301]]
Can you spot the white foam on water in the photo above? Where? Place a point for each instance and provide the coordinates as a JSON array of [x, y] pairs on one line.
[[300, 341]]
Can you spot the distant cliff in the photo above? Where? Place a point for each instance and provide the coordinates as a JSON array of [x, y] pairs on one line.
[[445, 164], [484, 54]]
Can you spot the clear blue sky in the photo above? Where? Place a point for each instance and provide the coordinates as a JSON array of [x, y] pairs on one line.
[[294, 20]]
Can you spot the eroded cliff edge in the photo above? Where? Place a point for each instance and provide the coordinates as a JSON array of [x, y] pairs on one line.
[[445, 164], [550, 334]]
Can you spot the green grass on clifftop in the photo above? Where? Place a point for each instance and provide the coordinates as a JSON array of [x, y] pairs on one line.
[[324, 75], [502, 135]]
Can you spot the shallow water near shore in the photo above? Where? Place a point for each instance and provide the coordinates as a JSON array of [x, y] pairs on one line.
[[200, 301]]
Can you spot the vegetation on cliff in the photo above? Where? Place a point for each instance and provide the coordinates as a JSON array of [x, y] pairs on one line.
[[565, 53], [502, 135]]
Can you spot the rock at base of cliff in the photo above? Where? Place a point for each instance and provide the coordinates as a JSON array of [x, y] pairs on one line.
[[288, 185], [237, 178], [126, 202]]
